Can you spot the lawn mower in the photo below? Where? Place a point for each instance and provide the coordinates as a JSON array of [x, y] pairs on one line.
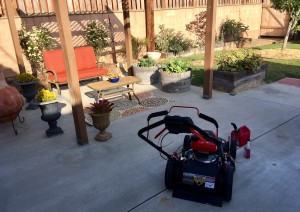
[[202, 168]]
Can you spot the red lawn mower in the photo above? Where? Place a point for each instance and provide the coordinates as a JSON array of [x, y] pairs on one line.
[[202, 170]]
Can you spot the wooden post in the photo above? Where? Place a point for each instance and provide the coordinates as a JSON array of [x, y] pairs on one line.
[[149, 10], [209, 48], [14, 34], [61, 11], [127, 31]]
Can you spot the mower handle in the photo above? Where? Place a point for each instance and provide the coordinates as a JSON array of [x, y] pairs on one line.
[[209, 119], [156, 114], [182, 122]]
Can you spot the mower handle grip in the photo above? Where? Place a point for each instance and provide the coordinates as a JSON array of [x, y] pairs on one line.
[[156, 114], [209, 119]]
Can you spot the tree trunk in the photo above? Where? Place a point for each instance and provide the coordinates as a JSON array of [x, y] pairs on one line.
[[287, 35]]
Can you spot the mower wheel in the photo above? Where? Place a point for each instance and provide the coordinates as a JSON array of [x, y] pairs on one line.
[[172, 173], [232, 150], [228, 182]]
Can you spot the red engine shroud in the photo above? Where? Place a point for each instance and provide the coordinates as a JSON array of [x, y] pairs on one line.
[[202, 144]]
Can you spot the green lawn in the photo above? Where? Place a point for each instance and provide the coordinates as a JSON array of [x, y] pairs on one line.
[[277, 68]]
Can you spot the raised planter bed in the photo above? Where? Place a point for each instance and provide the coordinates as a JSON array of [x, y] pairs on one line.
[[233, 82]]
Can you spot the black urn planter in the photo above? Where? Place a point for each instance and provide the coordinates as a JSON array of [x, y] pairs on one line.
[[50, 113], [233, 82], [29, 91]]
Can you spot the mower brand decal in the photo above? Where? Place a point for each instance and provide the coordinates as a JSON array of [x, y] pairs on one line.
[[196, 179]]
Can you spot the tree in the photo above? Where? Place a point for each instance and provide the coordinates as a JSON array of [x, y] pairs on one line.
[[292, 8]]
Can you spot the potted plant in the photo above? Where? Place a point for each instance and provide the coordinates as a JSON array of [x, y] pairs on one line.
[[48, 103], [238, 70], [28, 84], [100, 111], [147, 71], [113, 76], [175, 76]]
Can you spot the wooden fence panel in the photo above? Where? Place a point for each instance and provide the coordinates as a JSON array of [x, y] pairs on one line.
[[36, 7]]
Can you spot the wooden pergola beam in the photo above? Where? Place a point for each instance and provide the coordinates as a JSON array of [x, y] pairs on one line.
[[14, 34], [149, 22], [210, 34], [127, 31], [61, 11]]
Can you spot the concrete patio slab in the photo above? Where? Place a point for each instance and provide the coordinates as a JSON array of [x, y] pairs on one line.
[[127, 174]]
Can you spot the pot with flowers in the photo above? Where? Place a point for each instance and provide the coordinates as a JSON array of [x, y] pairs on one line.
[[48, 103], [100, 111], [175, 76], [147, 71], [113, 77], [238, 70], [28, 84]]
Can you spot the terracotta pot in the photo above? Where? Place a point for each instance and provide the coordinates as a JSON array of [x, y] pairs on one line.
[[11, 101], [101, 122]]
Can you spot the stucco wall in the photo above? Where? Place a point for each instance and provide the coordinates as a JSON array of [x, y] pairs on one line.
[[172, 18]]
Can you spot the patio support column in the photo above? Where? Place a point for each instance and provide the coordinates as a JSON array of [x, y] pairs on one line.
[[150, 24], [14, 34], [127, 31], [211, 12], [61, 11]]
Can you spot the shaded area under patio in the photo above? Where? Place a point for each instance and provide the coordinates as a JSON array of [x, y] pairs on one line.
[[125, 173]]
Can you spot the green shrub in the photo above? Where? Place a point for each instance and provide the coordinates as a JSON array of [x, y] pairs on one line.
[[147, 62], [238, 61], [97, 36], [137, 45], [45, 96], [25, 78], [168, 40], [175, 66], [232, 30], [34, 42]]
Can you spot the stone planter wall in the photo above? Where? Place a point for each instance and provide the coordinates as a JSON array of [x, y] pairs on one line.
[[232, 82], [176, 82], [148, 75]]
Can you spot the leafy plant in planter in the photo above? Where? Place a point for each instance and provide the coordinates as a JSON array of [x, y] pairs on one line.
[[238, 70], [147, 71], [100, 111], [48, 103], [238, 61], [232, 30], [175, 76], [28, 84]]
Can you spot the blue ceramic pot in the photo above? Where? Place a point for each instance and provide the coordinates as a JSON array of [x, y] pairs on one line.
[[114, 79]]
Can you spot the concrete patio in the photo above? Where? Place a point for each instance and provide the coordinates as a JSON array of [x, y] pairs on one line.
[[127, 174]]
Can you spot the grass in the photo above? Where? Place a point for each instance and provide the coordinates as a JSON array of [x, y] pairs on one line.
[[277, 68]]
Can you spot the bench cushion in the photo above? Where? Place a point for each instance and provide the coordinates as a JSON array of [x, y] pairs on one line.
[[85, 58], [83, 74]]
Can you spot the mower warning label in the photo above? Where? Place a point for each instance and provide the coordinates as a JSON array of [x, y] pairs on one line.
[[196, 179]]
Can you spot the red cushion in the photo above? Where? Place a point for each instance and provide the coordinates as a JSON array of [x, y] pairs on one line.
[[85, 57], [54, 60], [82, 74]]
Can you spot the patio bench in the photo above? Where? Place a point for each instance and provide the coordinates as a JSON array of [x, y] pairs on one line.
[[85, 62]]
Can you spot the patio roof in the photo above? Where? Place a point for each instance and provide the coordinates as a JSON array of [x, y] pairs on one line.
[[61, 10], [127, 174]]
